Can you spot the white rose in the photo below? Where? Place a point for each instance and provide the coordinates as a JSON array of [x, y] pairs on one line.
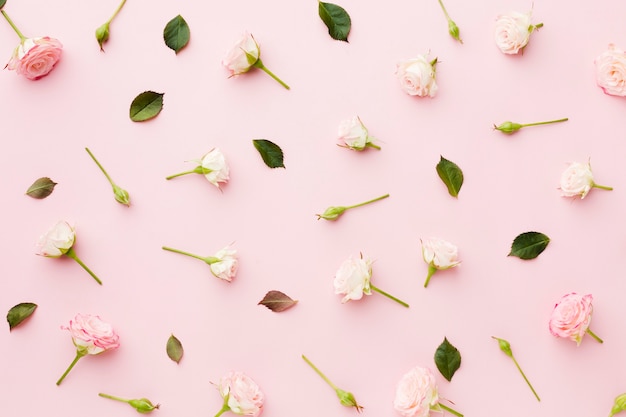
[[417, 76], [355, 135], [353, 279], [576, 180], [226, 264], [416, 393], [242, 56], [57, 241], [513, 31], [611, 71], [440, 253], [215, 167]]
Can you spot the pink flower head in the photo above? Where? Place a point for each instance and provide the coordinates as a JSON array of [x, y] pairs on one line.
[[611, 71], [57, 241], [416, 393], [571, 316], [417, 76], [35, 57], [241, 394], [242, 55], [226, 264], [439, 253], [353, 279], [91, 335]]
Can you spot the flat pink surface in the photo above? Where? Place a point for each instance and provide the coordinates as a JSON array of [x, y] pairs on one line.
[[366, 346]]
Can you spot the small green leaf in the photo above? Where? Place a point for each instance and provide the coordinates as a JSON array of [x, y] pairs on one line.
[[337, 20], [19, 313], [447, 359], [174, 349], [451, 175], [176, 33], [270, 152], [146, 106], [2, 3], [529, 245], [277, 301], [41, 188]]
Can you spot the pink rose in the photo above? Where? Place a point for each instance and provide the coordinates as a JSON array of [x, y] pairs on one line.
[[241, 394], [215, 167], [416, 393], [577, 180], [92, 335], [353, 279], [226, 264], [35, 57], [571, 317], [417, 76], [438, 254], [513, 31], [57, 241], [355, 136], [611, 71], [242, 56]]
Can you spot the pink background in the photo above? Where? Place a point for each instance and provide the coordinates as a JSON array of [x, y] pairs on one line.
[[364, 347]]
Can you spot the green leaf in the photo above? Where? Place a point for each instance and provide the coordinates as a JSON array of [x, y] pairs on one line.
[[41, 188], [174, 349], [146, 106], [270, 152], [337, 20], [447, 359], [2, 3], [529, 245], [19, 313], [277, 301], [451, 175], [176, 33]]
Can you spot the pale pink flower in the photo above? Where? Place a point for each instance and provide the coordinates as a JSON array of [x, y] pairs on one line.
[[417, 76], [225, 264], [242, 55], [241, 394], [611, 71], [215, 167], [56, 241], [571, 316], [353, 279], [577, 180], [35, 57], [439, 254], [355, 136], [512, 31], [416, 393]]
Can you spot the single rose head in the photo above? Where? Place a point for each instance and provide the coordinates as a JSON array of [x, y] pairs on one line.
[[352, 280], [417, 76], [512, 31], [57, 241], [91, 335], [226, 264], [354, 135], [35, 57], [242, 56], [416, 393], [438, 254], [577, 180], [611, 71], [241, 395], [571, 317], [214, 167]]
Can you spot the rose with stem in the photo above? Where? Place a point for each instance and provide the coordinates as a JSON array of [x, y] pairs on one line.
[[512, 127], [208, 259], [333, 212], [102, 33], [453, 29], [345, 398], [121, 195], [506, 348], [72, 254], [142, 405]]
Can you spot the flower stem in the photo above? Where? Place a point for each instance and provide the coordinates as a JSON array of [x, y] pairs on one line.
[[224, 409], [537, 26], [111, 397], [101, 167], [431, 271], [546, 123], [602, 187], [117, 11], [67, 371], [184, 253], [372, 145], [71, 254], [382, 197], [397, 300], [193, 171], [328, 381], [445, 12], [525, 379], [6, 16], [259, 64], [450, 410], [595, 336]]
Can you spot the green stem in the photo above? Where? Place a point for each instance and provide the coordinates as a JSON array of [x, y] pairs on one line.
[[67, 371], [117, 11], [595, 336], [445, 12], [6, 16], [546, 123], [448, 409], [224, 409], [386, 294], [193, 171], [111, 397], [370, 201], [101, 167], [525, 379], [71, 254], [537, 26], [328, 381], [431, 271], [602, 187], [259, 64], [184, 253], [372, 145]]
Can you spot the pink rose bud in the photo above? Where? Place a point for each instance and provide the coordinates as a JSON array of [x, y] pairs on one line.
[[56, 241], [571, 317], [35, 57], [212, 165], [241, 395], [577, 180], [242, 55], [417, 76], [611, 71], [513, 31], [355, 136], [225, 264], [439, 255]]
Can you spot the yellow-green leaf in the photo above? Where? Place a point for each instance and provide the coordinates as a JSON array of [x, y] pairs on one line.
[[174, 349]]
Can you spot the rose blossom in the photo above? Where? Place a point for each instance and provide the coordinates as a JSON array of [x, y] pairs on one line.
[[438, 254], [571, 316], [35, 57], [215, 164], [57, 241], [353, 279], [416, 393], [577, 180], [242, 56], [92, 335], [513, 31], [417, 76], [226, 264], [241, 394], [611, 71], [355, 135]]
